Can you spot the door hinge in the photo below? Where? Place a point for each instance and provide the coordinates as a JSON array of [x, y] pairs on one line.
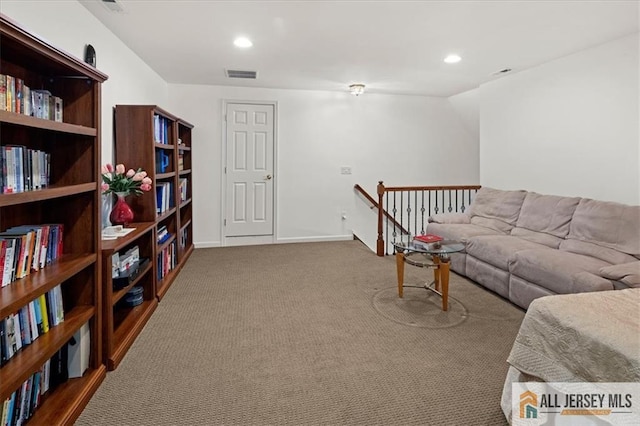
[[224, 222], [225, 170]]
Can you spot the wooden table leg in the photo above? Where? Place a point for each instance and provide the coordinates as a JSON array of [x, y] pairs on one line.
[[400, 270], [444, 276], [436, 271]]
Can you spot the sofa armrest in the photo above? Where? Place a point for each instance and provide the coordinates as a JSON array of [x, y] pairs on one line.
[[628, 273], [450, 218]]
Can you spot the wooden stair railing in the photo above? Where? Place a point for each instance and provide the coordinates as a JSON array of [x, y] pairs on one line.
[[381, 212], [439, 199]]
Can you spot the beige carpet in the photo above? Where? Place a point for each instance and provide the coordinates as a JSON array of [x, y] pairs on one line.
[[311, 334]]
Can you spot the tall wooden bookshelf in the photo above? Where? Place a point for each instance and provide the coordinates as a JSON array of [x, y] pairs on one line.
[[147, 136], [72, 199]]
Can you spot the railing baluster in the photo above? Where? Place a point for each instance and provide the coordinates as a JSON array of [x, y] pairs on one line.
[[439, 199]]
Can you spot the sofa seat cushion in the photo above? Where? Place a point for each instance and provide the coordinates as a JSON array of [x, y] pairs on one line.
[[537, 237], [459, 232], [628, 273], [497, 250], [585, 248], [496, 209], [560, 272]]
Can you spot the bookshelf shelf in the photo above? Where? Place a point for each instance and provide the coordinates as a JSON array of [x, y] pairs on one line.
[[129, 326], [122, 324], [65, 405], [28, 288], [17, 370], [139, 128], [45, 194], [71, 200], [27, 121]]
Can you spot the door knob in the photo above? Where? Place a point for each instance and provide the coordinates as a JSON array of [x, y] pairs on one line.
[[267, 177]]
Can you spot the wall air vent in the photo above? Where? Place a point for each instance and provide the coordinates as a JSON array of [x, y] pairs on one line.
[[242, 74], [112, 5]]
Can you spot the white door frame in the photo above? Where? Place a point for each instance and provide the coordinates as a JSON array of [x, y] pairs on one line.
[[251, 240]]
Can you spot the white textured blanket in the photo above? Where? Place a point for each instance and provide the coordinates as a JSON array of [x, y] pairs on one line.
[[585, 337]]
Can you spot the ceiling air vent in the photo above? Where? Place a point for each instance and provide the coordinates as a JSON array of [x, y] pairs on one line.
[[242, 74], [502, 71], [112, 5]]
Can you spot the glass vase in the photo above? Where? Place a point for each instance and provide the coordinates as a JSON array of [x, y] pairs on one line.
[[121, 214]]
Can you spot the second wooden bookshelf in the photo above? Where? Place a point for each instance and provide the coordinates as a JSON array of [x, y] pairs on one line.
[[149, 137]]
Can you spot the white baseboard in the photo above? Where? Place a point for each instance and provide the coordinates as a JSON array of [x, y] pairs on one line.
[[252, 241], [315, 239], [207, 244]]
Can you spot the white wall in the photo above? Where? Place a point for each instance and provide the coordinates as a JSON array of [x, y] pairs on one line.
[[467, 106], [69, 26], [403, 140], [567, 127]]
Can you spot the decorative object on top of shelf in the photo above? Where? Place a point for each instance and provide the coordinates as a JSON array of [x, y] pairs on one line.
[[121, 213], [90, 55], [117, 181], [132, 182]]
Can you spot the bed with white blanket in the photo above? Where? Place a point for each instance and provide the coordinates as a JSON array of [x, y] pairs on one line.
[[585, 337]]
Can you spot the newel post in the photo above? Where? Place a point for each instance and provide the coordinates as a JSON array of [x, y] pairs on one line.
[[380, 241]]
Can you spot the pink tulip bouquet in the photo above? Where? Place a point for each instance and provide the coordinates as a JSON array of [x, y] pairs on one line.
[[117, 181]]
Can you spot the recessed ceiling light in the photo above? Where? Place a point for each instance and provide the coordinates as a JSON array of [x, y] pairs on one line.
[[356, 89], [242, 42], [452, 59]]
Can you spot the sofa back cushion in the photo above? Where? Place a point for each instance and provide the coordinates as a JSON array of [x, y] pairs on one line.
[[606, 225], [545, 219], [496, 209]]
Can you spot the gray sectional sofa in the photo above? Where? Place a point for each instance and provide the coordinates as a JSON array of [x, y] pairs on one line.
[[523, 245]]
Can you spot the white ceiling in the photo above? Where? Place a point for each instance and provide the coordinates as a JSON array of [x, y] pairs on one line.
[[391, 46]]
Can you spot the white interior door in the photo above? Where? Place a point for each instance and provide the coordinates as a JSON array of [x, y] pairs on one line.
[[249, 170]]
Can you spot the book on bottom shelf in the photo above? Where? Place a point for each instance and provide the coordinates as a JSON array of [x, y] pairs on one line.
[[79, 352]]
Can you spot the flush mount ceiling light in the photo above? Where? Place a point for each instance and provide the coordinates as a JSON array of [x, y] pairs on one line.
[[242, 42], [452, 59], [356, 89]]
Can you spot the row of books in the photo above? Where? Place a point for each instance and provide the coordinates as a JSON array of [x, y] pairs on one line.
[[16, 96], [182, 187], [24, 401], [163, 234], [28, 248], [122, 262], [161, 129], [33, 320], [180, 161], [164, 197], [167, 260], [184, 238], [24, 169]]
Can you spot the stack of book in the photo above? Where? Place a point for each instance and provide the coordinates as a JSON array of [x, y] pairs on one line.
[[161, 129], [22, 404], [164, 197], [28, 248], [427, 241], [23, 169], [183, 186], [31, 321], [16, 96], [163, 234], [167, 260]]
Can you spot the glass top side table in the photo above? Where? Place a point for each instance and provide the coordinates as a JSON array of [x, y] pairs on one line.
[[432, 255]]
